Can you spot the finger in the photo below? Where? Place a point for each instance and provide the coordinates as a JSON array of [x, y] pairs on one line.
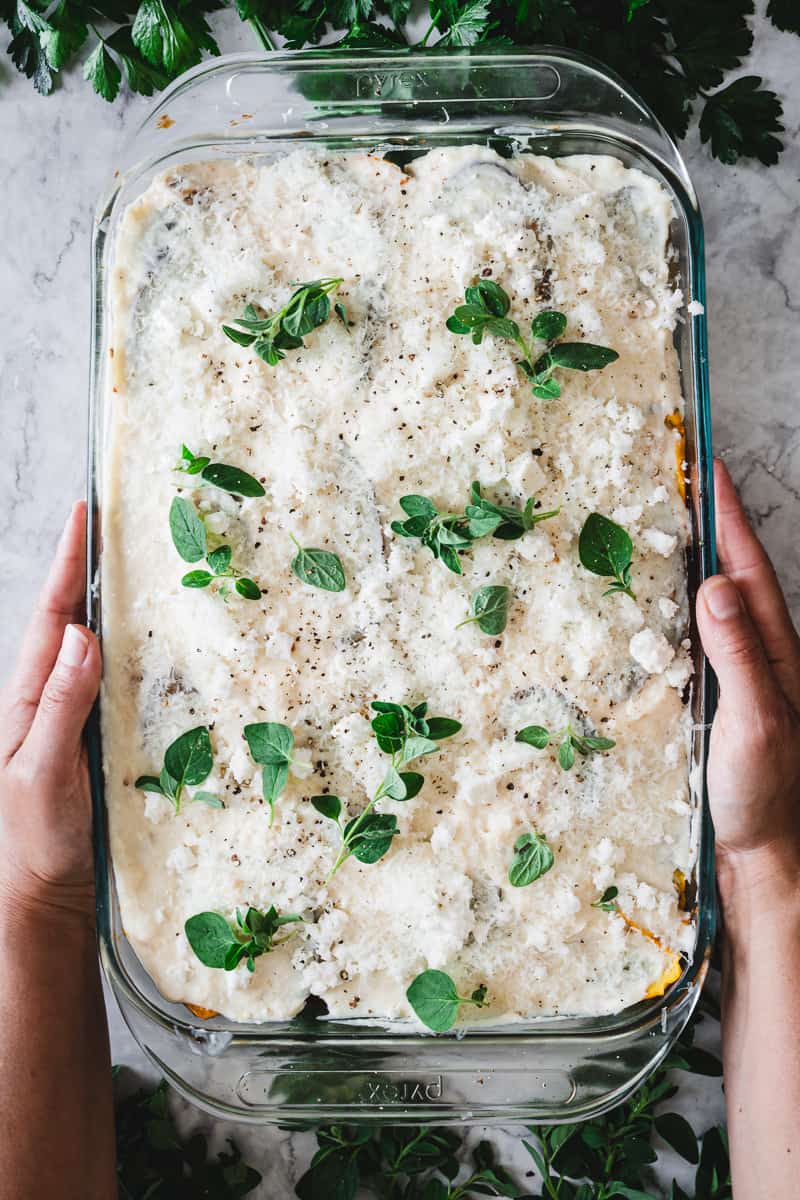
[[746, 562], [60, 602], [53, 742], [747, 685]]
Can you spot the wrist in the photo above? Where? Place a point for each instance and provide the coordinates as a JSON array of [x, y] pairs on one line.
[[25, 897], [759, 888]]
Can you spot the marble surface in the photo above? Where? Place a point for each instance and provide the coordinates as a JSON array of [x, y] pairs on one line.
[[57, 155]]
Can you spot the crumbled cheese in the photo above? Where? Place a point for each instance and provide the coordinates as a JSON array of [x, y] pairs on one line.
[[662, 543], [651, 650], [338, 431]]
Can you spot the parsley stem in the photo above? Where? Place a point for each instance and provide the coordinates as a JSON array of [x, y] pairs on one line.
[[421, 45], [261, 33]]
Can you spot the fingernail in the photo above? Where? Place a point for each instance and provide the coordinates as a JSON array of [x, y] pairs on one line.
[[722, 598], [74, 645]]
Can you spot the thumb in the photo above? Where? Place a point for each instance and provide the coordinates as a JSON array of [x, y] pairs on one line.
[[734, 649], [55, 735]]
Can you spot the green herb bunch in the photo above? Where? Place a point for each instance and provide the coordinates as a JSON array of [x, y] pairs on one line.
[[402, 1164], [154, 1162], [404, 734], [307, 308], [606, 1158], [190, 539], [448, 534], [676, 55], [223, 944], [187, 763], [485, 310]]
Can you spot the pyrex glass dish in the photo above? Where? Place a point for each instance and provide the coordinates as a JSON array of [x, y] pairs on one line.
[[545, 101]]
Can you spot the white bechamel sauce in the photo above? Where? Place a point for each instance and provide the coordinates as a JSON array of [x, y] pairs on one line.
[[338, 432]]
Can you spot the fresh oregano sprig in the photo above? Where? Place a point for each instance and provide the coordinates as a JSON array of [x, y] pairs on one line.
[[608, 901], [606, 549], [190, 539], [489, 609], [402, 1163], [449, 534], [501, 520], [568, 739], [436, 1001], [532, 859], [445, 534], [307, 308], [223, 944], [318, 568], [221, 475], [485, 310], [270, 745], [405, 734], [187, 763]]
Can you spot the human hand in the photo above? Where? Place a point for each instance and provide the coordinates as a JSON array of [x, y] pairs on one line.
[[754, 762], [45, 812]]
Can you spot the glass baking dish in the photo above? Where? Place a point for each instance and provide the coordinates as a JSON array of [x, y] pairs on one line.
[[308, 1069]]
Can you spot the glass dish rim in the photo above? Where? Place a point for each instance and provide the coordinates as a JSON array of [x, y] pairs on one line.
[[645, 1013]]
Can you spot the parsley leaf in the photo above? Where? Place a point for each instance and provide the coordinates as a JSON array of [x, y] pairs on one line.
[[102, 72], [172, 36], [188, 761], [670, 52], [222, 944], [306, 309], [785, 14], [436, 1001], [465, 23], [741, 121], [606, 549], [489, 609]]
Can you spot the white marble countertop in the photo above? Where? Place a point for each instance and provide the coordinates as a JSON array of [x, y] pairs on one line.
[[58, 154]]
